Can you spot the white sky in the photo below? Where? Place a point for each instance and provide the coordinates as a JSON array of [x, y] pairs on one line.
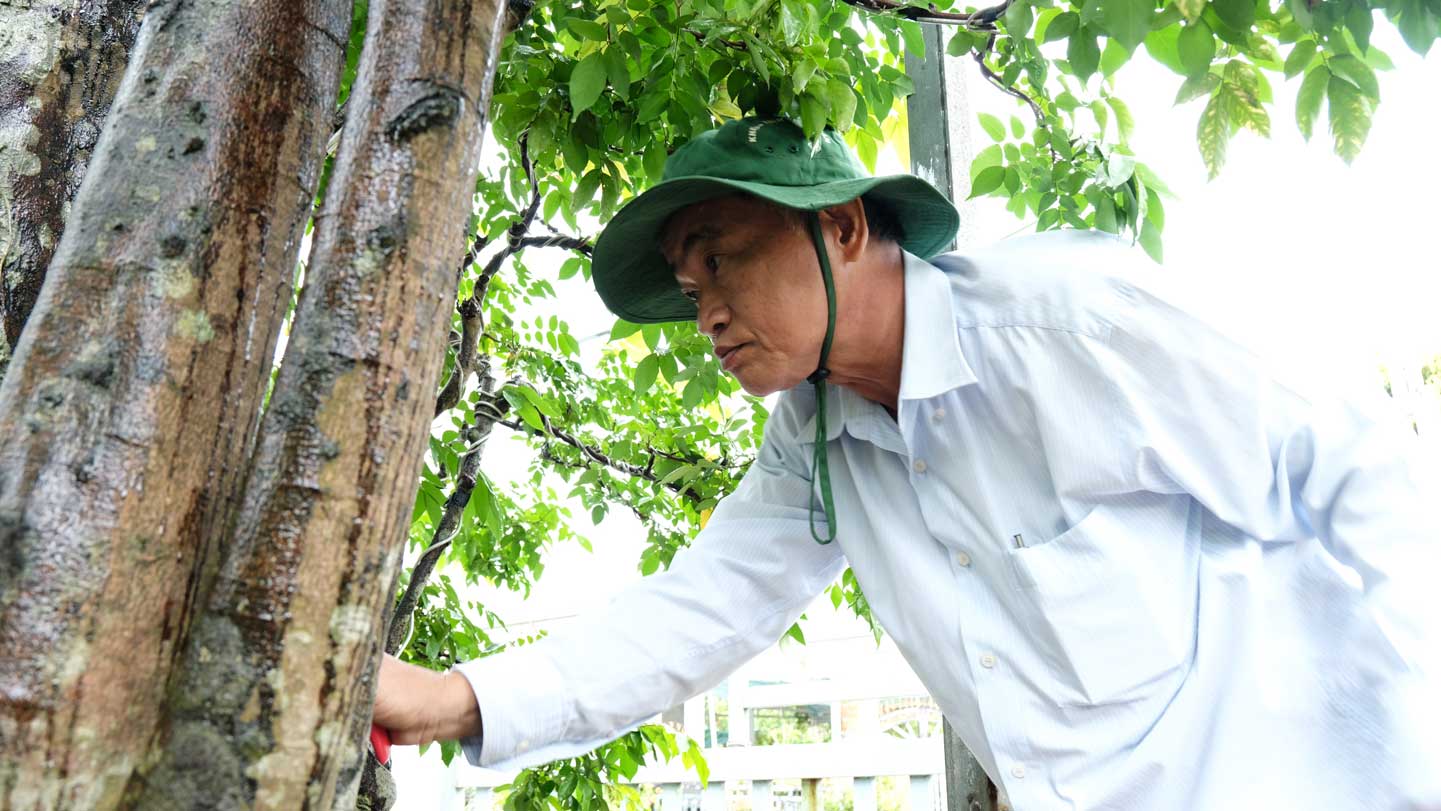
[[1311, 261]]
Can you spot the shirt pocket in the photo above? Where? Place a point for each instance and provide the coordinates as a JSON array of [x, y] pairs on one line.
[[1112, 600]]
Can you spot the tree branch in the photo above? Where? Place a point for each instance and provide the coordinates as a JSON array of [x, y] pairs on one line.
[[471, 328], [980, 56], [980, 20], [594, 454], [558, 241], [487, 414]]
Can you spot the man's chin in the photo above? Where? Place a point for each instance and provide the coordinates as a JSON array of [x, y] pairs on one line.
[[760, 386]]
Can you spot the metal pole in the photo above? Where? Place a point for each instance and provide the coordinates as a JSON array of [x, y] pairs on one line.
[[939, 126]]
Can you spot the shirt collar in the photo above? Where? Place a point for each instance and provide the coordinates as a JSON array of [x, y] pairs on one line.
[[931, 359]]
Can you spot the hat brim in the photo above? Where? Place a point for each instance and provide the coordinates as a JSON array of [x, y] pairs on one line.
[[636, 283]]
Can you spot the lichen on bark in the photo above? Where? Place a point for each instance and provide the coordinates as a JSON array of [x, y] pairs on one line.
[[60, 66]]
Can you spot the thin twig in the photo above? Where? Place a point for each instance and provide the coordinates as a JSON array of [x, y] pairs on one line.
[[449, 524], [594, 454], [980, 20]]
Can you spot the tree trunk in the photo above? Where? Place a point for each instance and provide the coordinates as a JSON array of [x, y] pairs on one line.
[[129, 408], [276, 689], [60, 65]]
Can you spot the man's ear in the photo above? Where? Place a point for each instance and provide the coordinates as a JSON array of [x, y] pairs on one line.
[[846, 225]]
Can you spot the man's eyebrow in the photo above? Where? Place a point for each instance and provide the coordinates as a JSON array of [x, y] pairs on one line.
[[701, 234]]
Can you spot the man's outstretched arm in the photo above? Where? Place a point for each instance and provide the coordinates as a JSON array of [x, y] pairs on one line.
[[675, 634]]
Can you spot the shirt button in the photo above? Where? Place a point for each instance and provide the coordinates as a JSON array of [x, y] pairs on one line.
[[919, 466], [1019, 772], [938, 415], [523, 745], [988, 661], [963, 559]]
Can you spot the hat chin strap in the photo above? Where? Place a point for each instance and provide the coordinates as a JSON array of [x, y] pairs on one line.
[[820, 471]]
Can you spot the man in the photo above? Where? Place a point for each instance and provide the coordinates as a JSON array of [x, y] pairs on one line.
[[1134, 571]]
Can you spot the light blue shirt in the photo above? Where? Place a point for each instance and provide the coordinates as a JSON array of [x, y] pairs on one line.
[[1134, 570]]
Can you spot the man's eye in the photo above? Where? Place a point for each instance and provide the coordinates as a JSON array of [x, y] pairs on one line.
[[692, 295], [712, 263]]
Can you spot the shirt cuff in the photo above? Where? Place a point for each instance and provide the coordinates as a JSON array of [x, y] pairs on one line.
[[519, 694]]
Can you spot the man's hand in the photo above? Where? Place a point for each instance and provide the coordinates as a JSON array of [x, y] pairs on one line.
[[418, 706]]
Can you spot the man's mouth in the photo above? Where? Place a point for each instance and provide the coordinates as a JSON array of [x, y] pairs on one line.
[[727, 355]]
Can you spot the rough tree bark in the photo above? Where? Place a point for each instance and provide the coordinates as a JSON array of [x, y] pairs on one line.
[[274, 696], [130, 405], [60, 65]]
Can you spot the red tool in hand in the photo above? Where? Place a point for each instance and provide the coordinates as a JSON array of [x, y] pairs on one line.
[[380, 742]]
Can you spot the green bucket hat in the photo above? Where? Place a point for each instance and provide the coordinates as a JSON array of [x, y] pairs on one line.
[[772, 159]]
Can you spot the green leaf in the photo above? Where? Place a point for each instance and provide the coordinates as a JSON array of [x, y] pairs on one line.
[[1300, 57], [1117, 170], [645, 373], [1106, 215], [617, 71], [1378, 60], [1418, 26], [802, 74], [1103, 116], [623, 329], [963, 41], [1350, 113], [1359, 21], [1062, 26], [1127, 21], [915, 39], [987, 181], [1018, 129], [1083, 53], [1019, 17], [1161, 45], [1191, 9], [992, 126], [1357, 73], [1211, 134], [1197, 47], [1237, 14], [843, 104], [586, 29], [990, 156], [793, 17], [813, 114], [796, 633], [1196, 87], [654, 160], [585, 190], [1309, 97], [1151, 240], [570, 267], [1113, 56], [1125, 122], [1155, 212], [586, 83], [1240, 88]]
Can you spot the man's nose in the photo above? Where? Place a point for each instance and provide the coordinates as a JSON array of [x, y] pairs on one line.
[[712, 314]]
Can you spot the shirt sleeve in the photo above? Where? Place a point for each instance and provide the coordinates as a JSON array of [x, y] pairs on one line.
[[743, 582], [1161, 402]]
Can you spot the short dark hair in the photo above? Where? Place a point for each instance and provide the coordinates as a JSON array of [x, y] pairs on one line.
[[881, 221]]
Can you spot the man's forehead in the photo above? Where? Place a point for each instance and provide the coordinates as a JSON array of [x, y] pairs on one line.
[[703, 220]]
